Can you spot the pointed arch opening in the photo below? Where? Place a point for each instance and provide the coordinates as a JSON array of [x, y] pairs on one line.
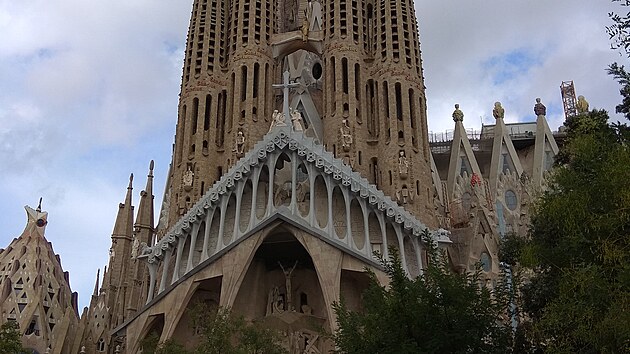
[[281, 285], [321, 202], [339, 213], [262, 192], [282, 181], [203, 302], [246, 207], [357, 226]]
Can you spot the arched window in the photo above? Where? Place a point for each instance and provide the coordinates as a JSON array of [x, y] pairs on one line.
[[511, 201], [100, 345], [486, 262]]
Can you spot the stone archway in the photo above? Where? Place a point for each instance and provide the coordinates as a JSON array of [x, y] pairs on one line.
[[206, 297], [281, 290]]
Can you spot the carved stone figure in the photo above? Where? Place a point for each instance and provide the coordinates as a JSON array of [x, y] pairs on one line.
[[239, 143], [458, 115], [282, 194], [275, 304], [346, 135], [404, 196], [134, 248], [307, 310], [296, 119], [278, 120], [539, 108], [582, 105], [287, 276], [188, 178], [498, 112], [305, 25], [403, 165]]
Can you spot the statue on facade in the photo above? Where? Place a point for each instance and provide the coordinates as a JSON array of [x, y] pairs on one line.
[[458, 115], [305, 25], [296, 119], [287, 276], [239, 143], [403, 165], [404, 196], [498, 112], [188, 178], [539, 108], [582, 105], [275, 302], [278, 120], [134, 248], [346, 135]]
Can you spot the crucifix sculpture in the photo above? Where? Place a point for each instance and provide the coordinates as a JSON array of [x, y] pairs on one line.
[[285, 86], [287, 275]]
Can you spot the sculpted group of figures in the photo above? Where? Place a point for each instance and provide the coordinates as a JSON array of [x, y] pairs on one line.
[[498, 112], [302, 341]]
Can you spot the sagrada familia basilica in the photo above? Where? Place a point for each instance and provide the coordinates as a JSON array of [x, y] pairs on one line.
[[301, 148]]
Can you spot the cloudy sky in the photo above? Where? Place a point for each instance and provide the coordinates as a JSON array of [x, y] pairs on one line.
[[88, 95]]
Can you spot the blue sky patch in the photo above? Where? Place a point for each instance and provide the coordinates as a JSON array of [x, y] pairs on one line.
[[508, 66]]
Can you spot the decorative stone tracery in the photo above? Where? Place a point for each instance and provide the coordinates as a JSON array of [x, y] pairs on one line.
[[278, 193]]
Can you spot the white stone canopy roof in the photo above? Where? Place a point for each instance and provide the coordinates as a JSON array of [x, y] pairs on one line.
[[283, 138]]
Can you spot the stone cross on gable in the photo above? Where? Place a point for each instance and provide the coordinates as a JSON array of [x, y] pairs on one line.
[[285, 86]]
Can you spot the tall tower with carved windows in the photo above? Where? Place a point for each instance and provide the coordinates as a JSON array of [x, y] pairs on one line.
[[359, 88], [300, 150]]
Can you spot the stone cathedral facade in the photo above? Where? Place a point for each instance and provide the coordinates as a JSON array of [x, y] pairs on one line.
[[301, 148]]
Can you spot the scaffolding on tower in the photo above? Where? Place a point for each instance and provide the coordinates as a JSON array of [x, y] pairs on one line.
[[568, 99]]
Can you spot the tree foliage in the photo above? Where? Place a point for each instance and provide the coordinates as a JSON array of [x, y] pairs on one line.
[[623, 77], [221, 333], [619, 31], [10, 338], [438, 312], [579, 247]]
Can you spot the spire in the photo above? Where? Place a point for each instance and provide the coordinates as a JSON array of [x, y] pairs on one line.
[[144, 219], [106, 282], [124, 221], [36, 222], [98, 274]]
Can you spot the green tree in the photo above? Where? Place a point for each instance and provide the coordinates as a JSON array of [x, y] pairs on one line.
[[437, 312], [221, 333], [10, 338], [225, 333], [151, 345], [619, 31], [578, 300]]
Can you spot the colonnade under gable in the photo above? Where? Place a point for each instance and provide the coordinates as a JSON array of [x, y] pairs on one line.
[[302, 193]]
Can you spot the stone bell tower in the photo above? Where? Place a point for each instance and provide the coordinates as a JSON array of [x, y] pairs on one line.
[[359, 87]]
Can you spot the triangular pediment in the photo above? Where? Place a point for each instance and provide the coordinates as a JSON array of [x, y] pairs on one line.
[[462, 160], [545, 149], [504, 157], [346, 210]]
